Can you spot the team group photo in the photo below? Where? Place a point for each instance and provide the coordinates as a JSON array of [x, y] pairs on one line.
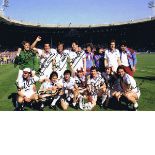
[[76, 77], [76, 68]]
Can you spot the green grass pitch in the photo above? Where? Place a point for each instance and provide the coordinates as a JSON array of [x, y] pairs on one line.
[[145, 76]]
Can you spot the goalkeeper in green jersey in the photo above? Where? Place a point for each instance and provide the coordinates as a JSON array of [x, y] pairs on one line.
[[26, 58]]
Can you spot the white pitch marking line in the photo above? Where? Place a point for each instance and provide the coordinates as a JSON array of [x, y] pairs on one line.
[[145, 71]]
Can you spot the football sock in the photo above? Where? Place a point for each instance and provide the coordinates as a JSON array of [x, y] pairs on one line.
[[135, 105], [104, 97], [55, 100]]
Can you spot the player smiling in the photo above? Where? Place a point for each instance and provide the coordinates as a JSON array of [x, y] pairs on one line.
[[27, 91]]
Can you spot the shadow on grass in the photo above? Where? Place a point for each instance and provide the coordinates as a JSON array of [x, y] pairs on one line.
[[118, 106], [13, 98], [150, 78], [113, 104]]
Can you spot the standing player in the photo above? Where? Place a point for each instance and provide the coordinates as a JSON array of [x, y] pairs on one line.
[[77, 58], [99, 59], [70, 90], [96, 87], [47, 58], [128, 59], [61, 60], [26, 89], [112, 56], [26, 58], [89, 57]]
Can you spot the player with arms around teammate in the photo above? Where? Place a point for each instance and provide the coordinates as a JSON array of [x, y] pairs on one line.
[[26, 89], [47, 58], [77, 59]]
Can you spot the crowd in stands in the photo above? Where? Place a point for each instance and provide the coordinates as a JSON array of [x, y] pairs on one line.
[[7, 57]]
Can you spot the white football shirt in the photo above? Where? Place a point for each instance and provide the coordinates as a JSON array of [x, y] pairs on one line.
[[77, 60], [62, 60], [70, 84], [124, 59], [46, 62], [129, 80], [95, 83], [112, 58]]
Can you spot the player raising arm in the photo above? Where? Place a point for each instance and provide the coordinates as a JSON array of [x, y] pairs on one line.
[[47, 58], [26, 58]]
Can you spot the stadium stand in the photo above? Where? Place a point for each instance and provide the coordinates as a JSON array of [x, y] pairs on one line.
[[138, 33]]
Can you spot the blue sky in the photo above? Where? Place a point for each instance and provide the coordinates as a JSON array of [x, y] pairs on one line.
[[77, 11]]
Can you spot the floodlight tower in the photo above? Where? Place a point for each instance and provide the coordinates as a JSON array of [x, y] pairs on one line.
[[151, 5], [4, 6]]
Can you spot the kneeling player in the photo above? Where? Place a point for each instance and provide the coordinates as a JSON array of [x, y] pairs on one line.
[[70, 90], [81, 82], [96, 87], [51, 88], [26, 89], [110, 78], [129, 87]]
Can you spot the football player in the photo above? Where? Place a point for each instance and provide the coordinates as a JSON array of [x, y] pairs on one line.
[[81, 82], [61, 60], [77, 58], [112, 57], [110, 78], [70, 91], [26, 58], [129, 87], [47, 58], [96, 87], [51, 88], [26, 89]]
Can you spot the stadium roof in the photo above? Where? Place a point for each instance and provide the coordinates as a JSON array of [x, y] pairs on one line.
[[10, 21]]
